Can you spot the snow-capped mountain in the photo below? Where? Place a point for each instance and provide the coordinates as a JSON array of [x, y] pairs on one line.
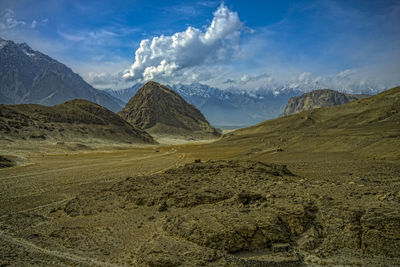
[[306, 83], [225, 107], [236, 107]]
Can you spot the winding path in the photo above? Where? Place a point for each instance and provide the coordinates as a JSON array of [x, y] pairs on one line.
[[62, 255]]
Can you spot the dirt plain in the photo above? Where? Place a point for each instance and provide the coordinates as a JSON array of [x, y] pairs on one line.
[[75, 205]]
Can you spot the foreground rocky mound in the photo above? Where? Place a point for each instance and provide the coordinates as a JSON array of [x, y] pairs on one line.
[[241, 213], [318, 99], [70, 121], [160, 110]]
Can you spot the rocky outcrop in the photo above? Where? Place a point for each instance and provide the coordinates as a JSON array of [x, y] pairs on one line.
[[214, 211], [318, 99]]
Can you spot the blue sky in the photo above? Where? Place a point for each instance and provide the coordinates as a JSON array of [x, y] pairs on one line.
[[253, 44]]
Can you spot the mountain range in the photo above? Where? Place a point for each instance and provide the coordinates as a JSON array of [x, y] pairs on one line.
[[31, 77], [225, 107], [235, 107]]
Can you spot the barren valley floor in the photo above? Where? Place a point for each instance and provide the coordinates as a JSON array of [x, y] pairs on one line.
[[78, 207]]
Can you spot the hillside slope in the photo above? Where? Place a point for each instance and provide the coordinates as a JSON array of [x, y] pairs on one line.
[[159, 110], [70, 121], [370, 126]]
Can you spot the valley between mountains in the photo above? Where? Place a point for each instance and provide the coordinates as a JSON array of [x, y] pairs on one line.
[[316, 188]]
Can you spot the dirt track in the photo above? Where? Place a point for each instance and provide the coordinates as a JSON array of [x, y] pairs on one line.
[[52, 253], [52, 178]]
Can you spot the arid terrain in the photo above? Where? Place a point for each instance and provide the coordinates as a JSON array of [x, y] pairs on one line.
[[93, 208], [319, 188], [199, 133]]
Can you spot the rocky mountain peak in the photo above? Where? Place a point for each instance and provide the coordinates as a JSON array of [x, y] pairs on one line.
[[317, 99], [31, 77], [160, 110]]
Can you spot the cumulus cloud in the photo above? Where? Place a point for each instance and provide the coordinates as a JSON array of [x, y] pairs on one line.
[[104, 74], [164, 56], [346, 73], [8, 20], [348, 80], [253, 78], [103, 80]]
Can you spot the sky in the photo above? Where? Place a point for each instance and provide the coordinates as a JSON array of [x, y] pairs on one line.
[[227, 44]]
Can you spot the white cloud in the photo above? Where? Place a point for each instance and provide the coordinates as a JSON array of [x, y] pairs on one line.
[[102, 74], [346, 74], [164, 56], [103, 79], [34, 24], [248, 81], [8, 20], [90, 37], [348, 80], [253, 78], [100, 38]]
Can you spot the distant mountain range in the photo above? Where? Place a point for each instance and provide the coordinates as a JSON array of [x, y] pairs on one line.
[[235, 107], [31, 77], [28, 76], [225, 107]]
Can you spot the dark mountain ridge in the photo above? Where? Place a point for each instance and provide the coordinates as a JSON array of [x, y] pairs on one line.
[[31, 77]]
